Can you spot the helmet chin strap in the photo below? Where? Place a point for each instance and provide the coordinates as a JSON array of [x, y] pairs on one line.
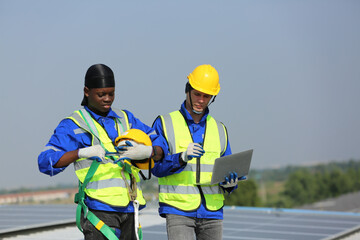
[[197, 112]]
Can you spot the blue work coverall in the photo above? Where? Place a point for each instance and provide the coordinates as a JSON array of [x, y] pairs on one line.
[[64, 140], [171, 165]]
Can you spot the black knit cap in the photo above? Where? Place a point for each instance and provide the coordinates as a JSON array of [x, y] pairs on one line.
[[98, 76]]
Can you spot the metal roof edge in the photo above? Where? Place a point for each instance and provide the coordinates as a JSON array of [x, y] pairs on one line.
[[37, 227]]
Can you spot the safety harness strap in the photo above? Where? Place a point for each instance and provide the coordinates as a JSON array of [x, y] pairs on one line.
[[108, 232]]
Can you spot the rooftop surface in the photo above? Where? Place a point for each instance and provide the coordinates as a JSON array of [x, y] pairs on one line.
[[239, 223]]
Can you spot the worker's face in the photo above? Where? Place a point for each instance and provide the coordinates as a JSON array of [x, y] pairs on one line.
[[100, 99], [199, 100]]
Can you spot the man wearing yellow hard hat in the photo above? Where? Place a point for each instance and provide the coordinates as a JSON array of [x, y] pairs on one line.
[[101, 141], [195, 139]]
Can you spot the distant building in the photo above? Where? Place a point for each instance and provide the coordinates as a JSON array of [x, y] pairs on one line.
[[349, 202], [36, 197]]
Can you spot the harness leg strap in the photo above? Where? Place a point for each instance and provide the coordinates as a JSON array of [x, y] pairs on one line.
[[108, 232]]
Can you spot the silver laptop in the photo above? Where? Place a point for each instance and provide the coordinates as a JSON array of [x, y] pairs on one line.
[[237, 162]]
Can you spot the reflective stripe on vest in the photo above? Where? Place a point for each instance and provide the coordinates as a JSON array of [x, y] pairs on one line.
[[179, 189], [107, 184]]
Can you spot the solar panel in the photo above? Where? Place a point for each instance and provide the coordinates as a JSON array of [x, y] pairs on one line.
[[262, 223], [239, 223], [21, 217]]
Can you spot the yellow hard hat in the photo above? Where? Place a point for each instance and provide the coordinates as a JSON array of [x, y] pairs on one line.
[[205, 79], [139, 137]]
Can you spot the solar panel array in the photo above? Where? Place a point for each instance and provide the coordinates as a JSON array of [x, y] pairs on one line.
[[269, 224], [21, 217], [239, 223]]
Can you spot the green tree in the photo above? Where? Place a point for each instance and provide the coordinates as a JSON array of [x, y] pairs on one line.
[[245, 195], [321, 182], [339, 183], [354, 175], [300, 187]]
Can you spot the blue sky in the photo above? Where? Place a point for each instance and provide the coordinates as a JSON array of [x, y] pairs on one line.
[[289, 72]]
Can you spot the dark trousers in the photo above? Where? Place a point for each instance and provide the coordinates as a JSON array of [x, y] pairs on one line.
[[123, 223]]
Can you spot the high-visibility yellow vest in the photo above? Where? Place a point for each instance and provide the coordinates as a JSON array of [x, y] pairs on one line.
[[180, 190], [107, 184]]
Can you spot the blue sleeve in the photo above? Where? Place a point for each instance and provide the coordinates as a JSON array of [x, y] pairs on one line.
[[157, 140], [63, 140], [170, 164]]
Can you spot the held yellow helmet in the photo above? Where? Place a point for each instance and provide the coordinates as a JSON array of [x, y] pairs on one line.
[[205, 79], [139, 137]]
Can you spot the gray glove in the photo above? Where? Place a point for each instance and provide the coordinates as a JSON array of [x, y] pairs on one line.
[[194, 150], [132, 150], [95, 152]]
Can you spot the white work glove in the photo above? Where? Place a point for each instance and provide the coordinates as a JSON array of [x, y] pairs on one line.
[[194, 150], [95, 152], [132, 150]]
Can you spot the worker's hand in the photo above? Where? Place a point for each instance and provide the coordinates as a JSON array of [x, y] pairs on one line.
[[231, 180], [95, 152], [133, 151], [194, 150]]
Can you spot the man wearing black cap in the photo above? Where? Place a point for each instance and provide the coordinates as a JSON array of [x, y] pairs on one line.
[[85, 138]]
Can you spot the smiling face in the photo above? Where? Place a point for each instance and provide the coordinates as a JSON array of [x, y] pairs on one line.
[[100, 99], [199, 100]]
